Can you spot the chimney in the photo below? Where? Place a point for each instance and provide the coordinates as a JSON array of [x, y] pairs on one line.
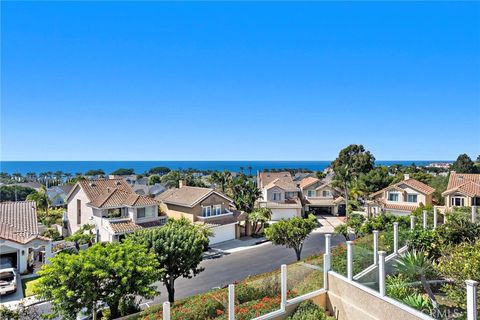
[[182, 183], [406, 176]]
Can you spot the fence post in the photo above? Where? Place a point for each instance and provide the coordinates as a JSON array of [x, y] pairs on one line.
[[350, 260], [375, 247], [471, 299], [412, 222], [474, 214], [381, 273], [328, 243], [326, 268], [395, 237], [425, 219], [435, 217], [231, 302], [283, 283], [166, 310]]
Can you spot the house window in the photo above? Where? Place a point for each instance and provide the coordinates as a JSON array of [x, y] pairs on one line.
[[140, 213], [411, 198], [476, 201], [326, 193], [217, 209], [207, 211], [458, 202], [393, 196], [114, 213], [79, 211], [277, 196], [311, 193]]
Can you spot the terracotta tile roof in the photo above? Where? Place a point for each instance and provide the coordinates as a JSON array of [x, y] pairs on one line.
[[420, 186], [401, 207], [187, 196], [123, 226], [117, 198], [412, 183], [283, 180], [308, 182], [94, 188], [18, 221], [466, 183], [152, 224]]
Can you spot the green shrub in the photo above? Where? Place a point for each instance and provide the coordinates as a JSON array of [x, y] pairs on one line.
[[308, 310], [425, 240], [245, 292], [397, 287]]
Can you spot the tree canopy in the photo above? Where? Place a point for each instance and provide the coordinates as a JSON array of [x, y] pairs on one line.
[[154, 179], [178, 246], [123, 172], [291, 233], [244, 193], [464, 164], [95, 172], [41, 199], [15, 193], [113, 273], [159, 170]]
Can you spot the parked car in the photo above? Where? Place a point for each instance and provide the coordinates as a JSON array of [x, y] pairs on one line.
[[8, 281]]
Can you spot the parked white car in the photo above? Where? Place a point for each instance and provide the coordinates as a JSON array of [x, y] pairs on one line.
[[8, 281]]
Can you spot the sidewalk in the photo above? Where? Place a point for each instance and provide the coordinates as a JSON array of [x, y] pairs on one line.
[[237, 245]]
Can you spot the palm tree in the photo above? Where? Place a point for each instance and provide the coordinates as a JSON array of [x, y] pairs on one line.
[[58, 176], [31, 176], [17, 176], [249, 170], [68, 176], [258, 217], [418, 264], [41, 199]]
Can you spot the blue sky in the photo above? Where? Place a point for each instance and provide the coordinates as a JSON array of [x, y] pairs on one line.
[[239, 81]]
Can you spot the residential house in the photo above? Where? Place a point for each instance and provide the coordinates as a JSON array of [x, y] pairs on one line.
[[112, 206], [19, 235], [322, 198], [203, 206], [400, 198], [463, 190], [57, 195], [146, 190], [280, 194]]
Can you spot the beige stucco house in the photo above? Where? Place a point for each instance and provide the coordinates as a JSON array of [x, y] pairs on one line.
[[321, 198], [204, 206], [19, 235], [400, 198], [112, 207], [280, 194], [463, 190]]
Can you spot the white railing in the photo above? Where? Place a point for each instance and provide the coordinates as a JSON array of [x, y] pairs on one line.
[[380, 258]]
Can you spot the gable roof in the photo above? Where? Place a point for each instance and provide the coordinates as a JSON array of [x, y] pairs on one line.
[[111, 193], [466, 183], [187, 196], [118, 198], [94, 188], [412, 183], [18, 221], [304, 183], [282, 180]]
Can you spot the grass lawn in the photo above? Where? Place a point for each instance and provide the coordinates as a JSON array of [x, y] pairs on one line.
[[28, 285]]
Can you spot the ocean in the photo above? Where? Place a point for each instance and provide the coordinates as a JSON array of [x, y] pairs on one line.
[[142, 166]]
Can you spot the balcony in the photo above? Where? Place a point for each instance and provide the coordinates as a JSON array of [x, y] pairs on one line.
[[224, 213]]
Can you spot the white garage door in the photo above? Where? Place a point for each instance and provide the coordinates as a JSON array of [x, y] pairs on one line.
[[223, 233], [278, 214]]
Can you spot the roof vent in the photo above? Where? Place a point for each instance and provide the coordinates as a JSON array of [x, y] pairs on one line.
[[92, 184], [118, 183], [460, 178], [108, 190]]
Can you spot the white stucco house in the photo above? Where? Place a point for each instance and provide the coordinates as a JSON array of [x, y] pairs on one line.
[[321, 197], [112, 207], [280, 194], [400, 198], [19, 235]]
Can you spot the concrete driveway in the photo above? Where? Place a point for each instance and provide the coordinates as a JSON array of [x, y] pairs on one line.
[[13, 297]]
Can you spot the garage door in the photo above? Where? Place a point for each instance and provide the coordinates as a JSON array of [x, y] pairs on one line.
[[278, 214], [223, 233]]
